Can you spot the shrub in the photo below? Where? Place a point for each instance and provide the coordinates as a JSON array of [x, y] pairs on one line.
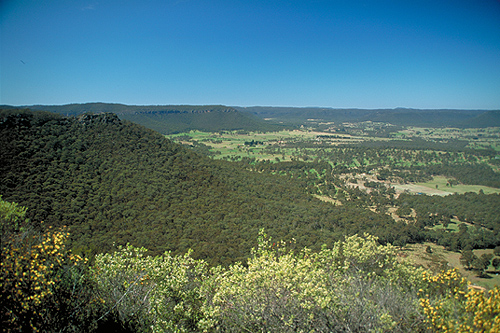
[[143, 292], [355, 286], [42, 284], [451, 305]]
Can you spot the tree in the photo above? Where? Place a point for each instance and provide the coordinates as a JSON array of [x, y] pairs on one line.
[[446, 221], [496, 263], [486, 260], [481, 264], [467, 258]]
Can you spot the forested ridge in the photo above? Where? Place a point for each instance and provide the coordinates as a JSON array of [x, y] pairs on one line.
[[76, 109], [114, 182], [167, 119], [167, 122]]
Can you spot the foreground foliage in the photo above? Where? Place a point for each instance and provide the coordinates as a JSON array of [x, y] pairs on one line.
[[451, 305], [43, 286], [143, 292], [357, 285]]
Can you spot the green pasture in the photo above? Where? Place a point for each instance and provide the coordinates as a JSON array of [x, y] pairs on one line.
[[452, 226], [440, 258], [267, 137], [198, 135], [231, 145], [441, 181]]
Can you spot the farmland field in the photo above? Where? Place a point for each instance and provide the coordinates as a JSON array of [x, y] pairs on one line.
[[237, 144], [307, 145], [444, 189]]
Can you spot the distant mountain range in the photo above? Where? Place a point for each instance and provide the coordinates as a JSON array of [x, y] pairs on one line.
[[168, 119], [398, 116]]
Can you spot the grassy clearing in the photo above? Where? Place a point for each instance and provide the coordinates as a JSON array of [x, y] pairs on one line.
[[326, 198], [441, 181], [452, 226], [443, 259], [417, 189]]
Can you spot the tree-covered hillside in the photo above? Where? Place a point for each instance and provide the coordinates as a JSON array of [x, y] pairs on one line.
[[81, 108], [112, 181], [170, 119], [356, 285], [487, 119], [169, 122]]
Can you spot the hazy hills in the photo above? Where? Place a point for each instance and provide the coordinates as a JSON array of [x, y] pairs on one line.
[[398, 116], [168, 119], [77, 108], [486, 119]]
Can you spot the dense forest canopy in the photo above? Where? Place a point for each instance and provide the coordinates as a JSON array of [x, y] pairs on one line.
[[112, 181]]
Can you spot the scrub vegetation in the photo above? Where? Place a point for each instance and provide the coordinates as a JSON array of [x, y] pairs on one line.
[[357, 285]]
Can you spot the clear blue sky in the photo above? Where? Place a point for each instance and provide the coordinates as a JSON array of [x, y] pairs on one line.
[[364, 54]]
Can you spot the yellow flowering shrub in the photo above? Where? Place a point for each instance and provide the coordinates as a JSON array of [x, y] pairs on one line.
[[32, 266], [356, 286], [29, 275], [450, 304], [482, 310]]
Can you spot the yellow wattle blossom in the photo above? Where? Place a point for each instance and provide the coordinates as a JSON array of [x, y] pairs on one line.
[[453, 308], [29, 275]]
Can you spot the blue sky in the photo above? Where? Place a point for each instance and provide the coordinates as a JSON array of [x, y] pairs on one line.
[[362, 54]]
